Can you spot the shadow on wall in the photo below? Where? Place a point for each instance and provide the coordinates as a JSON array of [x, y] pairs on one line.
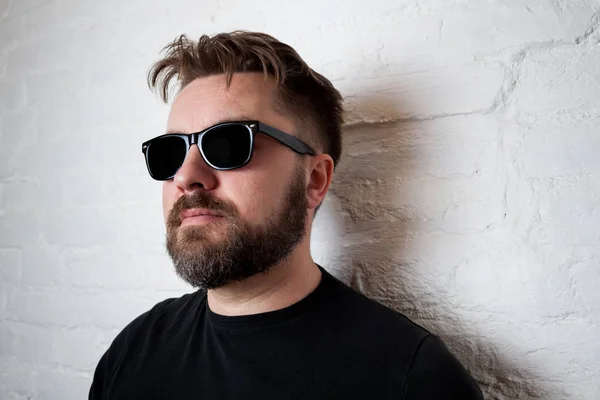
[[375, 182]]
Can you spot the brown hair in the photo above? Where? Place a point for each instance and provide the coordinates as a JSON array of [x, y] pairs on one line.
[[307, 96]]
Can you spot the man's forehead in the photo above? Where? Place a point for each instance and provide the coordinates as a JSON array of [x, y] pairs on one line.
[[215, 86], [207, 101]]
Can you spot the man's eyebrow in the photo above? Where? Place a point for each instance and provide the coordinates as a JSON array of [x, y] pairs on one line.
[[220, 121]]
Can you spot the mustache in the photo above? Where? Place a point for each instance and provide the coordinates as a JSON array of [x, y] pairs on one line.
[[196, 200]]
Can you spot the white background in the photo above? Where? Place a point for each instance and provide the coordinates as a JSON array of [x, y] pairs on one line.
[[466, 197]]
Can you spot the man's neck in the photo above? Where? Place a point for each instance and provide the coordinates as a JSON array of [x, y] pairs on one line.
[[280, 287]]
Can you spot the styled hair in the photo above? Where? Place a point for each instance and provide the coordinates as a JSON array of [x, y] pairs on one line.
[[301, 93]]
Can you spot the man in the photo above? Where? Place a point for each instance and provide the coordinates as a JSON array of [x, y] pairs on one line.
[[253, 139]]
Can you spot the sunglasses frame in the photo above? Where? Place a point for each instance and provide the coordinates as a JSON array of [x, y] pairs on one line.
[[253, 128]]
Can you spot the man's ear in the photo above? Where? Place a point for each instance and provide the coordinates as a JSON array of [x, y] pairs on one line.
[[319, 179]]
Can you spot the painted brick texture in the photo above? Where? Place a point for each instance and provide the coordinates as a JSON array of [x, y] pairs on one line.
[[466, 197]]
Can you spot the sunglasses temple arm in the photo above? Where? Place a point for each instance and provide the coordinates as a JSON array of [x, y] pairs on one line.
[[291, 141]]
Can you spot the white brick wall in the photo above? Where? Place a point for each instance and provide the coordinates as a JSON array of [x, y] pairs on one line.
[[467, 195]]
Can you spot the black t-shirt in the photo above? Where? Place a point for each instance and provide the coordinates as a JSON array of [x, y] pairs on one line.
[[334, 344]]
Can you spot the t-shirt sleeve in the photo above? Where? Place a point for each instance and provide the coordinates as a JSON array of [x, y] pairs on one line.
[[101, 377], [436, 374], [121, 345], [111, 359]]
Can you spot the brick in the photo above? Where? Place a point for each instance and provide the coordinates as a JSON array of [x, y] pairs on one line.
[[12, 95], [18, 8], [82, 188], [160, 272], [557, 85], [41, 308], [8, 289], [43, 268], [585, 274], [51, 189], [19, 230], [55, 120], [108, 106], [58, 156], [435, 148], [118, 186], [8, 29], [53, 87], [53, 52], [105, 267], [6, 163], [19, 197], [117, 151], [560, 210], [365, 58], [29, 343], [495, 27], [550, 149], [72, 11], [79, 228], [145, 225], [38, 21], [16, 379], [53, 384], [11, 265], [69, 342], [17, 130], [424, 93], [106, 310], [4, 9]]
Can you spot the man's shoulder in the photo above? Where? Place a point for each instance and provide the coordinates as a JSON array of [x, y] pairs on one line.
[[146, 330], [400, 347], [165, 312], [371, 315]]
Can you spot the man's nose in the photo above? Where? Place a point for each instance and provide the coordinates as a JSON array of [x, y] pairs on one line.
[[195, 173]]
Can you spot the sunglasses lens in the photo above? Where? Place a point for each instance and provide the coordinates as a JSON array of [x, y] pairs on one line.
[[165, 156], [227, 146]]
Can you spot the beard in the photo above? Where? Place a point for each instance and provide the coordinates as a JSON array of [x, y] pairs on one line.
[[207, 260]]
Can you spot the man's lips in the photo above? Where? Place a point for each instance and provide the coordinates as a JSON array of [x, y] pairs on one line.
[[195, 212]]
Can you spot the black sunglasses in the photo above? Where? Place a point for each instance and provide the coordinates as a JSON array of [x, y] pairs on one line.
[[224, 146]]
